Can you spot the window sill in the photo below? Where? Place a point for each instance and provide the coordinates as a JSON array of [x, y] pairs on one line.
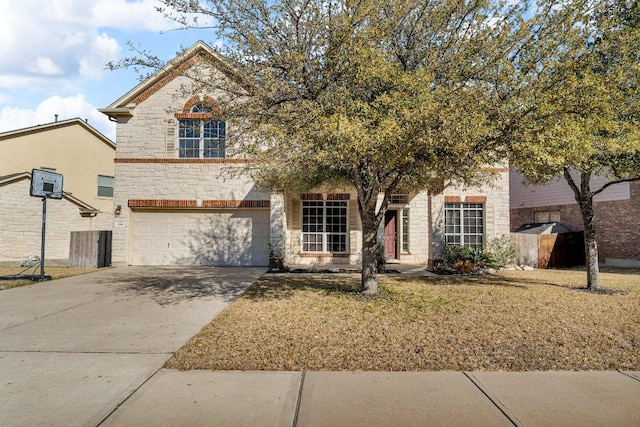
[[323, 255]]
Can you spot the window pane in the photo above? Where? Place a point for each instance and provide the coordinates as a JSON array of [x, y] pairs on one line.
[[405, 230], [201, 107], [464, 224], [105, 186], [214, 139], [189, 139], [324, 226]]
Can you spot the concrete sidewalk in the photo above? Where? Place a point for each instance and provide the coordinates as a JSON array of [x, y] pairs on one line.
[[87, 351], [72, 350], [232, 398]]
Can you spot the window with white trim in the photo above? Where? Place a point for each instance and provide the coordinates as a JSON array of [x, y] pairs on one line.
[[404, 244], [324, 226], [105, 186], [464, 224], [201, 138]]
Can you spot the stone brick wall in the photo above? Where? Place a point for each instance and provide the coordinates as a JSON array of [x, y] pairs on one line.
[[147, 167], [496, 203], [426, 222], [148, 137], [21, 230], [617, 224]]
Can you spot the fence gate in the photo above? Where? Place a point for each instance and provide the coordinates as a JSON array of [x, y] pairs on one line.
[[90, 249]]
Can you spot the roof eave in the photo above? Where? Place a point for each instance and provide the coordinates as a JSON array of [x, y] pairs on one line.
[[116, 113]]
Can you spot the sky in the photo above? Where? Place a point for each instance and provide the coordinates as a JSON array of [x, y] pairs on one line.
[[53, 56]]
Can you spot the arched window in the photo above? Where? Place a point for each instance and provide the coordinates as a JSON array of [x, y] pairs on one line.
[[200, 135]]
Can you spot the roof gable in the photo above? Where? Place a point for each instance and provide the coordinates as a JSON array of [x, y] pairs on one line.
[[58, 125], [199, 52]]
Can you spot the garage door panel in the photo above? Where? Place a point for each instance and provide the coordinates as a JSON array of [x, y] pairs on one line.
[[226, 238]]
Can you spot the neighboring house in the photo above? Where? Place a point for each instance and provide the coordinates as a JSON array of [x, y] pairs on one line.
[[85, 159], [616, 214], [184, 197]]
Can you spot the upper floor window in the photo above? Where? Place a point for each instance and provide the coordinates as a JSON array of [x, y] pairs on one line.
[[201, 137], [105, 186]]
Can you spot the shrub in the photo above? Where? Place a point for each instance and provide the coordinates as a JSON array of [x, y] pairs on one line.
[[465, 266], [503, 250], [465, 259]]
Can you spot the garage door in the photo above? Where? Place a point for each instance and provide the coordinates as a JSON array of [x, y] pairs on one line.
[[226, 238]]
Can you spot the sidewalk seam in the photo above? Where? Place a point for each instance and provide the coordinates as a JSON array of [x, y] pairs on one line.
[[127, 397], [295, 415], [501, 407], [628, 375]]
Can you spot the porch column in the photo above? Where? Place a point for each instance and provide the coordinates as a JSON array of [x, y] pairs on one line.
[[276, 226]]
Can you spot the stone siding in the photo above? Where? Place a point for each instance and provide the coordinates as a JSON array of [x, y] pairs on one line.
[[151, 135], [497, 221]]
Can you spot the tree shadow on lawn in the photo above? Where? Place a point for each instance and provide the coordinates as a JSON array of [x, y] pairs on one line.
[[285, 285]]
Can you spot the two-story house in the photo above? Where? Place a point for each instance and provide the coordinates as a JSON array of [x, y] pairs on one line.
[[183, 195]]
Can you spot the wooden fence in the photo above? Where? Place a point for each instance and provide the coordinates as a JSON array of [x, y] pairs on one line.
[[549, 250], [90, 249]]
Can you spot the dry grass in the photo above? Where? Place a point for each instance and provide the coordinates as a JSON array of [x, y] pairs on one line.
[[54, 272], [514, 321]]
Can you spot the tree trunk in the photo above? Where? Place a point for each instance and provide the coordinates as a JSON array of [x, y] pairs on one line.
[[584, 197], [590, 244], [369, 284]]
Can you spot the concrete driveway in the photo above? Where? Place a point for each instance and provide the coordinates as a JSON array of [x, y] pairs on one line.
[[72, 350]]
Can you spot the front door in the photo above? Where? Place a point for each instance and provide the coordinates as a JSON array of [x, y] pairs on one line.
[[390, 233]]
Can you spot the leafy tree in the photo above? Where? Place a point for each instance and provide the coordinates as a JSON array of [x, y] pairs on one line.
[[598, 132], [381, 95]]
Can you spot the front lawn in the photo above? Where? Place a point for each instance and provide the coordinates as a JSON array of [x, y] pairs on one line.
[[54, 272], [513, 321]]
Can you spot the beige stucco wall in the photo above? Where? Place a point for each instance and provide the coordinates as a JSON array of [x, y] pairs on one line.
[[77, 154], [21, 230]]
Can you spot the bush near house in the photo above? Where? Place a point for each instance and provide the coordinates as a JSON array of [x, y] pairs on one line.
[[465, 259]]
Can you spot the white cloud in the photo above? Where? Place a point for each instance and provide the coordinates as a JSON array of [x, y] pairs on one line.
[[12, 118], [45, 66], [137, 16], [68, 37], [102, 50]]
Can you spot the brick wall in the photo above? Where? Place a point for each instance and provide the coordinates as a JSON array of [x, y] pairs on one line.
[[617, 224]]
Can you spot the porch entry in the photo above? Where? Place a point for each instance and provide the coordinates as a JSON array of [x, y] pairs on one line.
[[391, 234]]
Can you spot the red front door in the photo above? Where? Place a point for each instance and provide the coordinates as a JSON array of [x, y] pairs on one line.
[[390, 233]]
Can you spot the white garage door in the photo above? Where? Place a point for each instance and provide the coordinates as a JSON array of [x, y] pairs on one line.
[[226, 238]]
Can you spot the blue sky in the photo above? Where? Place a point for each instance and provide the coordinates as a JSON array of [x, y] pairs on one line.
[[54, 55]]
